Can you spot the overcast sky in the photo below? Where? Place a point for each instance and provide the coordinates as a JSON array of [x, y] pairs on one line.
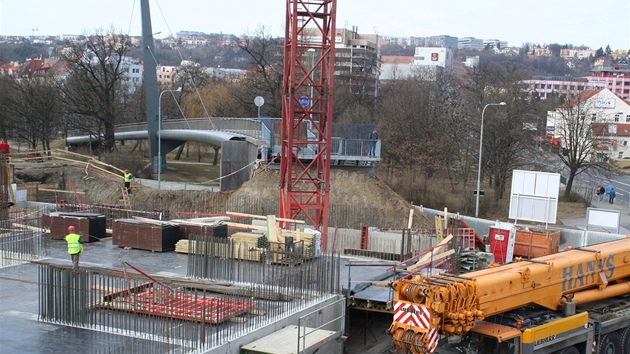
[[574, 22]]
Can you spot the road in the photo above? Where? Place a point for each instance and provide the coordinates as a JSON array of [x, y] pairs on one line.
[[620, 181]]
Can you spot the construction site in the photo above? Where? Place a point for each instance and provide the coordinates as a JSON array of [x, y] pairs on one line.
[[214, 272], [303, 250]]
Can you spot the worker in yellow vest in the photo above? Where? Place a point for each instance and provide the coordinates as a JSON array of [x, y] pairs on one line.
[[127, 177], [75, 246]]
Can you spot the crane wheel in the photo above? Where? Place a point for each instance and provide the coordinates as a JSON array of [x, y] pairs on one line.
[[610, 344], [625, 341], [569, 350]]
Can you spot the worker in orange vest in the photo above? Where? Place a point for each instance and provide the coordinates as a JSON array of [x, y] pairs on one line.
[[75, 246]]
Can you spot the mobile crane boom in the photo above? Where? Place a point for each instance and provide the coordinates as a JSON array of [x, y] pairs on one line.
[[449, 305]]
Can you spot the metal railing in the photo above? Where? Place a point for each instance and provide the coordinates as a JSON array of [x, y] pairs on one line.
[[268, 129], [315, 321], [245, 126]]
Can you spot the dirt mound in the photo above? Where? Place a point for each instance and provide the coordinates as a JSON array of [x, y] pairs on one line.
[[356, 198]]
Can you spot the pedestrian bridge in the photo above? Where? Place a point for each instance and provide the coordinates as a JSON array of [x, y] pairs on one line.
[[350, 145]]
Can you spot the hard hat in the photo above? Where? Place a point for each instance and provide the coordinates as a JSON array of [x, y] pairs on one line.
[[70, 228], [126, 170]]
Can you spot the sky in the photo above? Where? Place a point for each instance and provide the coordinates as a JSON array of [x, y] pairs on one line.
[[577, 22]]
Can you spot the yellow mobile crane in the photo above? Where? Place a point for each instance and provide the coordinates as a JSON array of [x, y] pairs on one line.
[[566, 303]]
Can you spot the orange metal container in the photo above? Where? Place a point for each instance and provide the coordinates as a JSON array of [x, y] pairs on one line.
[[532, 242]]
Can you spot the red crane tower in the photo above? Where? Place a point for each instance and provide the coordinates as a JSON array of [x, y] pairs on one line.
[[309, 53]]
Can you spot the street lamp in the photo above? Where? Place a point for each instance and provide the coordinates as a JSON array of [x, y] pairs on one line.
[[480, 146], [312, 51], [159, 132]]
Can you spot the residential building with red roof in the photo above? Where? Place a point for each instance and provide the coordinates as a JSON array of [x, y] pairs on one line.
[[608, 116]]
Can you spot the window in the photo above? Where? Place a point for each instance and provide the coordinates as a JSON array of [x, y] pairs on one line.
[[136, 71], [594, 117], [625, 143], [617, 117], [628, 118], [621, 154]]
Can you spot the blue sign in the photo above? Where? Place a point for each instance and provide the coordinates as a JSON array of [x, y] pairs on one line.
[[304, 101]]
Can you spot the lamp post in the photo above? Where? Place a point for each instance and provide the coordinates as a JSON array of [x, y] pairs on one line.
[[159, 133], [312, 51], [480, 147]]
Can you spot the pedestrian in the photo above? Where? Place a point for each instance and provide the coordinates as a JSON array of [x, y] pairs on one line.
[[600, 193], [127, 177], [373, 137], [4, 150], [611, 196], [75, 246]]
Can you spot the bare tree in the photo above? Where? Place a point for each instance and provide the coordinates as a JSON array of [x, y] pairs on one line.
[[573, 125], [265, 53], [505, 145], [34, 109], [219, 101], [191, 77], [96, 83], [408, 130]]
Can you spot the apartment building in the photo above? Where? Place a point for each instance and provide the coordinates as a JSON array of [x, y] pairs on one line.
[[609, 117], [577, 53], [470, 43], [442, 41], [615, 77], [495, 43], [166, 76], [357, 61], [547, 86]]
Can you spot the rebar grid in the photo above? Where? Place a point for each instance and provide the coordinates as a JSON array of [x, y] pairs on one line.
[[21, 238], [186, 315]]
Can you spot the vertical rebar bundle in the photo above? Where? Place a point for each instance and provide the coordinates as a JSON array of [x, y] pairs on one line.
[[5, 184], [21, 238], [184, 315]]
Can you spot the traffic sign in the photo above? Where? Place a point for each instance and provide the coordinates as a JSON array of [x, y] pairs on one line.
[[305, 100]]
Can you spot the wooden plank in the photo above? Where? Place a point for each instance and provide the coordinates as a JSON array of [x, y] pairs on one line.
[[263, 217], [436, 249], [427, 261], [32, 228], [59, 191]]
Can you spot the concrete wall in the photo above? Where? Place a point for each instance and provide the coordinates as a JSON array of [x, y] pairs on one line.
[[329, 311], [236, 156]]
